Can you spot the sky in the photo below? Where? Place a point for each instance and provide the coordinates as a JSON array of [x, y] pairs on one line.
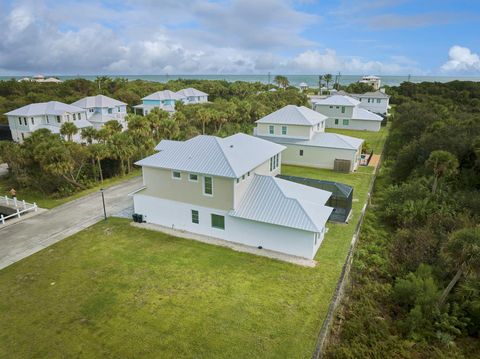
[[141, 37]]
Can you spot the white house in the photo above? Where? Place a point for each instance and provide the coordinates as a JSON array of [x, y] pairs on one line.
[[372, 80], [226, 188], [302, 131], [50, 115], [376, 102], [192, 95], [345, 112], [101, 109]]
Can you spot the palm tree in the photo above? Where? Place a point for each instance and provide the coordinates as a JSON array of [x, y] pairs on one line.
[[281, 81], [121, 147], [442, 164], [88, 134], [462, 251], [68, 129], [113, 126], [327, 78], [204, 116], [98, 151]]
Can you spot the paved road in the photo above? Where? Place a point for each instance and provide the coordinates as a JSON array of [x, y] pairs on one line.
[[22, 239]]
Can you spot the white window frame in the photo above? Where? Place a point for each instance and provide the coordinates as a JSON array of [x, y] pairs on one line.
[[198, 216], [190, 178], [203, 186], [271, 129], [286, 130], [177, 178]]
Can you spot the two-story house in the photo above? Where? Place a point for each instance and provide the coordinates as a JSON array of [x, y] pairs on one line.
[[376, 102], [50, 115], [345, 112], [302, 131], [192, 95], [371, 80], [164, 100], [226, 188], [101, 109]]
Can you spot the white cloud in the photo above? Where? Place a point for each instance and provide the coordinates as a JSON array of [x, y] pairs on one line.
[[461, 59], [141, 37]]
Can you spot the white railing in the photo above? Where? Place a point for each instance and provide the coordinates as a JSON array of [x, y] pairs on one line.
[[20, 206]]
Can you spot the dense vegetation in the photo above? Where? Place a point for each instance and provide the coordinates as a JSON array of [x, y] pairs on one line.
[[415, 288], [54, 165]]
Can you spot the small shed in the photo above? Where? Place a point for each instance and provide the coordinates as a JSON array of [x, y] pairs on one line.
[[341, 199], [303, 86]]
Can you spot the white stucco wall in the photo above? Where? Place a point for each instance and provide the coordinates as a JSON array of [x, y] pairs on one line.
[[318, 157], [355, 125], [178, 215], [374, 106]]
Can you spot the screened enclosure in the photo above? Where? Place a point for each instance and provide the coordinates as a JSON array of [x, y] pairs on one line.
[[341, 199]]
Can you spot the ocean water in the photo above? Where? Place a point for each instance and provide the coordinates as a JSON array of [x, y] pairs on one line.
[[295, 80]]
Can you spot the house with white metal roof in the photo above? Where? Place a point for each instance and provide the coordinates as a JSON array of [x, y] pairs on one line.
[[166, 99], [346, 112], [226, 188], [192, 95], [371, 80], [302, 131], [50, 115], [101, 109], [376, 101]]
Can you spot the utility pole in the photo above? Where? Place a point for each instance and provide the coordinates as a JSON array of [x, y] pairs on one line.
[[320, 91], [103, 201]]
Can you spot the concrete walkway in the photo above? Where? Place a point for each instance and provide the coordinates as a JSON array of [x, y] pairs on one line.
[[36, 233]]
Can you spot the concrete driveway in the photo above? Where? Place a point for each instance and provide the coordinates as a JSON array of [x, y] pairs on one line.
[[33, 234]]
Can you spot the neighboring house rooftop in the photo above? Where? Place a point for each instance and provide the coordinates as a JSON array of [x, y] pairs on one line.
[[44, 108], [163, 95], [225, 157], [371, 94], [191, 92], [276, 201], [98, 101], [338, 100], [362, 114], [294, 115], [322, 139]]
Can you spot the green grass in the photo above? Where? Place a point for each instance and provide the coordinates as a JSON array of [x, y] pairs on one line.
[[114, 291], [43, 201], [375, 140]]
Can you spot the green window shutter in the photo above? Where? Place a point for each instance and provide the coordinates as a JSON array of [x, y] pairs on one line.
[[218, 221], [195, 217], [208, 185]]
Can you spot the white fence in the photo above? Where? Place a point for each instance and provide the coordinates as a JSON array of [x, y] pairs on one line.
[[21, 207]]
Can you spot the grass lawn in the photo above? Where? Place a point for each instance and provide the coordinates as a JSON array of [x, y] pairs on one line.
[[117, 291], [48, 202], [375, 140]]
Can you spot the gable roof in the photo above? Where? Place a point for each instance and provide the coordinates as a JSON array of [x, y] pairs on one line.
[[370, 94], [362, 114], [277, 201], [163, 95], [294, 115], [322, 139], [45, 108], [98, 101], [191, 92], [225, 157], [338, 100]]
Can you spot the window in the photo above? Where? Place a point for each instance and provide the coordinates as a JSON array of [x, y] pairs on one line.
[[238, 180], [331, 106], [109, 110], [284, 130], [343, 109], [218, 221], [368, 100], [301, 152], [274, 162], [346, 122], [243, 177], [79, 116], [337, 107], [378, 100], [208, 185], [248, 174], [316, 238], [58, 119], [176, 175], [271, 130], [193, 177], [20, 120], [336, 121], [195, 218], [91, 109], [23, 136], [74, 117], [33, 121], [25, 121]]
